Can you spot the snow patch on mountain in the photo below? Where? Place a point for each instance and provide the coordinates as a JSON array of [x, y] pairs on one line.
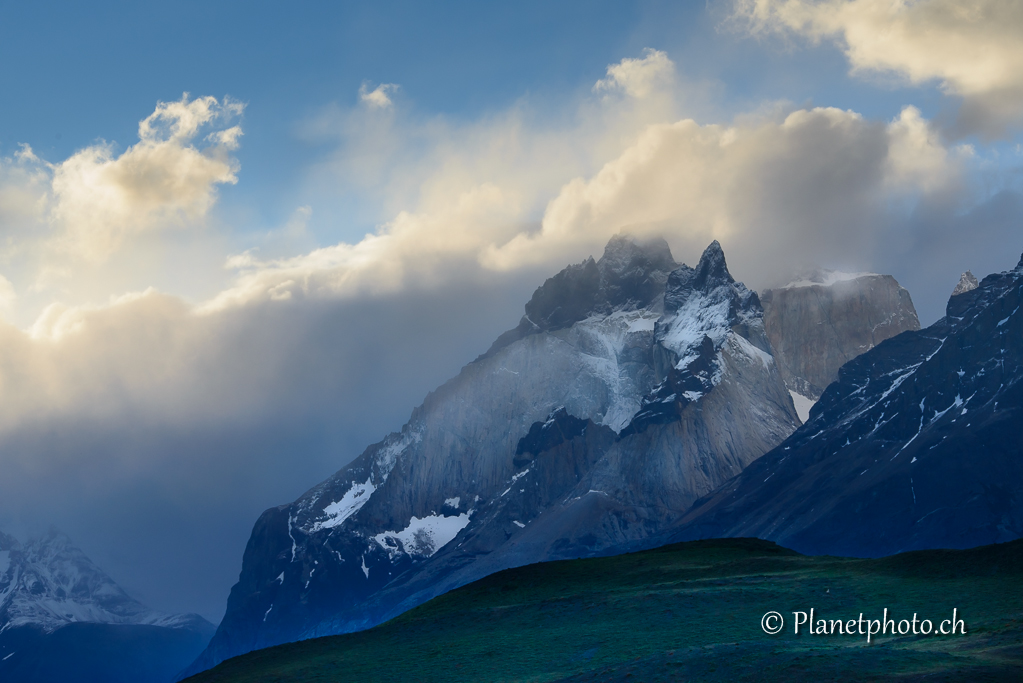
[[351, 502], [423, 537], [603, 341], [743, 346], [803, 405], [699, 317], [387, 456]]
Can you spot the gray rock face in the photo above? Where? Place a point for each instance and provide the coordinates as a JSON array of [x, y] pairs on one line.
[[632, 387], [967, 283], [821, 322], [916, 445], [54, 601]]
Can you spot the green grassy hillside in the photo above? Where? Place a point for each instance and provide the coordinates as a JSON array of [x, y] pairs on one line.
[[686, 612]]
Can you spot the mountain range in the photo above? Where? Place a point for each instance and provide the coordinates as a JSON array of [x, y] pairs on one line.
[[632, 387], [916, 445]]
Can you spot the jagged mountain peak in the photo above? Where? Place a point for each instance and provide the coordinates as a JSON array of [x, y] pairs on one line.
[[712, 270], [967, 282], [632, 386], [710, 274], [630, 275], [915, 445], [706, 300]]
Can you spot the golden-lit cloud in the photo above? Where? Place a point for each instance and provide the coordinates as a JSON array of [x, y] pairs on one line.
[[167, 179], [971, 47], [780, 189], [638, 77]]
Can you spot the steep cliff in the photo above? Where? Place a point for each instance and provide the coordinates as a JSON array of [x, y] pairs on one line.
[[822, 321]]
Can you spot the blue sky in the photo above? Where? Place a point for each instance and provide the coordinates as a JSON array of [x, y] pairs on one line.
[[210, 303], [92, 73]]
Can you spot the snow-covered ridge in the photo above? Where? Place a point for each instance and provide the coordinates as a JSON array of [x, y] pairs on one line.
[[706, 303], [388, 454], [700, 316], [826, 278]]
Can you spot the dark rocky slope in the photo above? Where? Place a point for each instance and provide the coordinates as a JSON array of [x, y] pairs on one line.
[[919, 444]]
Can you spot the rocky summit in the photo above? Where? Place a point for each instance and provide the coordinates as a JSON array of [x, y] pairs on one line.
[[631, 387], [821, 321], [916, 445], [967, 283]]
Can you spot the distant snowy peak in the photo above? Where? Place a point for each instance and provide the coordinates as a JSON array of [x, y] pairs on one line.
[[48, 582], [631, 386], [967, 283]]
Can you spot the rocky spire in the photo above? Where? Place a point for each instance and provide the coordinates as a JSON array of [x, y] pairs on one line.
[[967, 282]]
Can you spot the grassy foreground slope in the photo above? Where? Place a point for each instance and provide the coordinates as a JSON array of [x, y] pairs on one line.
[[690, 611]]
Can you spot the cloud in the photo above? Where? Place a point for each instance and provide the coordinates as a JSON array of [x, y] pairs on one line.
[[778, 190], [155, 436], [638, 78], [7, 293], [99, 198], [971, 48], [378, 97], [774, 192]]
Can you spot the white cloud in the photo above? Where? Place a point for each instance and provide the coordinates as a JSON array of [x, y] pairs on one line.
[[414, 249], [972, 48], [99, 198], [24, 183], [772, 191], [917, 158], [378, 97], [776, 190], [7, 294], [638, 78]]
